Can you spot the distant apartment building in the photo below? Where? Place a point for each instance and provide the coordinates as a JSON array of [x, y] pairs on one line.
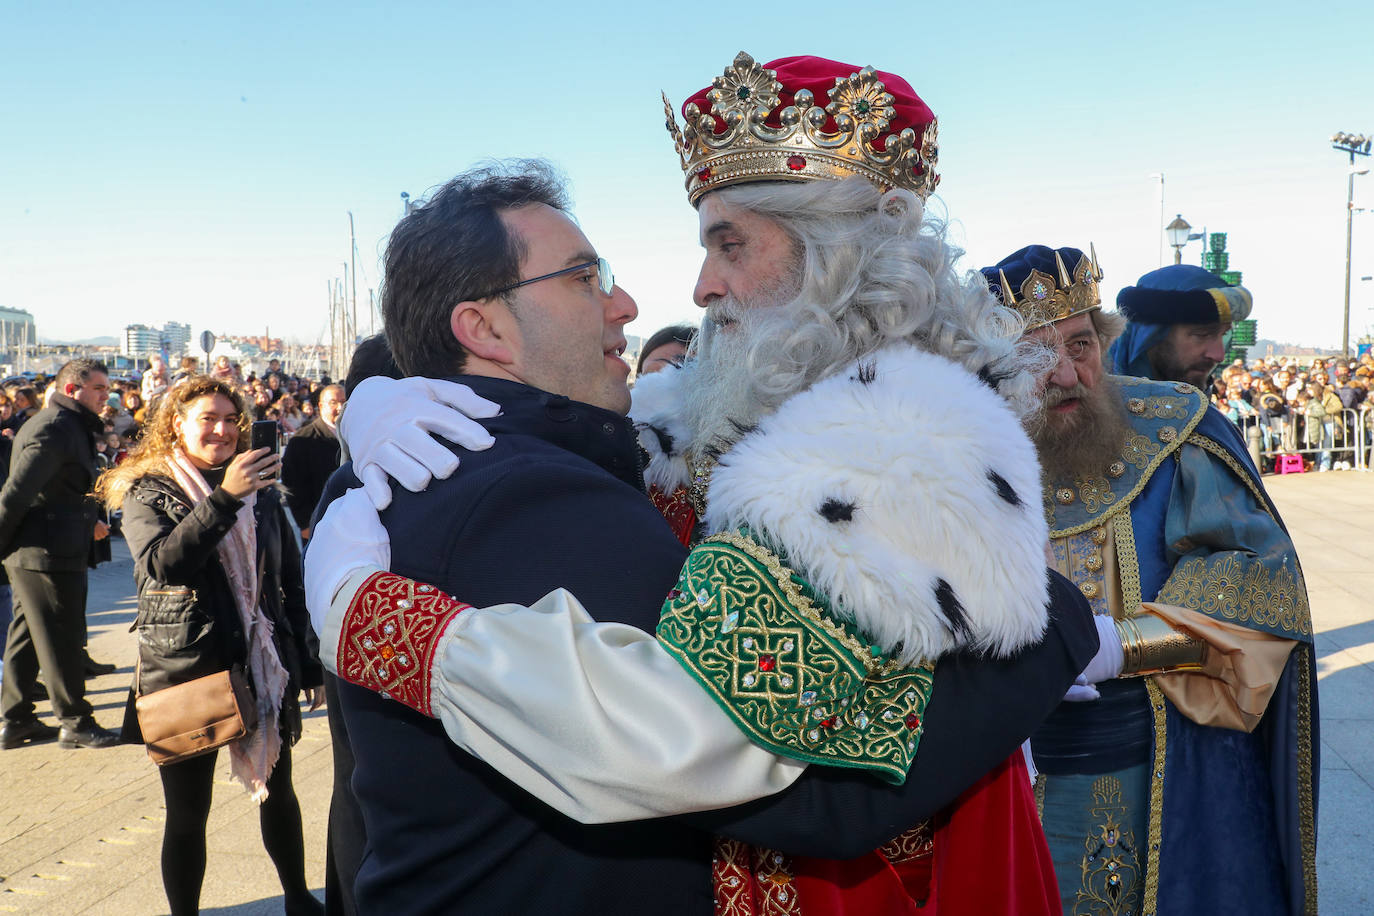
[[142, 341], [16, 329], [177, 337]]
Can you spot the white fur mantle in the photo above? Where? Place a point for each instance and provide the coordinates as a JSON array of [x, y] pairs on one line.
[[902, 487]]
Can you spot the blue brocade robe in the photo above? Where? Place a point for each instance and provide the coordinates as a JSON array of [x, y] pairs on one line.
[[1230, 824]]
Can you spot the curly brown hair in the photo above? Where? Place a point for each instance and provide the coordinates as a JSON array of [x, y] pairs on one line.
[[150, 455]]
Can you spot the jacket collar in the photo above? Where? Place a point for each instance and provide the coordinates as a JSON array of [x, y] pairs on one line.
[[88, 416], [601, 436]]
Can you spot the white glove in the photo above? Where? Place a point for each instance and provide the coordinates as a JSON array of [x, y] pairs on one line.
[[349, 537], [386, 425], [1105, 665]]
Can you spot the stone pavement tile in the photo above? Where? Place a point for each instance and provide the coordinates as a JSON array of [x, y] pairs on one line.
[[1346, 689], [1331, 759], [1345, 831], [1354, 742]]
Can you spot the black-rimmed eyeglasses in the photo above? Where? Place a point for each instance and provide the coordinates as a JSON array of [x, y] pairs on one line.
[[605, 280]]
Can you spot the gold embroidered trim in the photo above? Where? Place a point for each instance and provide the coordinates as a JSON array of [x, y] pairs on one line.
[[1240, 591], [1128, 563], [785, 581], [794, 680], [1156, 798], [1040, 796], [916, 843], [1307, 813], [1138, 451]]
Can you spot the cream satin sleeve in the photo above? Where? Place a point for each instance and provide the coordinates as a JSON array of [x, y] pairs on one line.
[[594, 719]]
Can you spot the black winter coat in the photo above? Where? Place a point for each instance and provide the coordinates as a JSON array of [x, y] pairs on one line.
[[46, 514], [188, 624], [311, 456]]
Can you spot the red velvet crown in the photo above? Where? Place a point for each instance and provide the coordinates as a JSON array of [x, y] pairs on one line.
[[805, 118]]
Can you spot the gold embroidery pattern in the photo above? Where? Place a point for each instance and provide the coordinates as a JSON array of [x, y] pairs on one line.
[[731, 879], [1156, 796], [792, 678], [1166, 408], [916, 843], [702, 468], [777, 893], [1307, 812], [1128, 563], [1040, 781], [1095, 492], [1111, 862], [1243, 590], [389, 637], [1079, 557], [1138, 451], [752, 882]]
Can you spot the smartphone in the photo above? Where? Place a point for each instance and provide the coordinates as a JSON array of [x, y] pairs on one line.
[[265, 435]]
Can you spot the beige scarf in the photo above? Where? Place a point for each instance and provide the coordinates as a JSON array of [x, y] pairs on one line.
[[251, 758]]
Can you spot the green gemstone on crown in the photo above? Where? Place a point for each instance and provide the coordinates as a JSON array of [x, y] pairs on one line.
[[862, 107], [742, 92]]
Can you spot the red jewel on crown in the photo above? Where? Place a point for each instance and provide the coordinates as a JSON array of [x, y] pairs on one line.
[[704, 175], [796, 163], [913, 721], [767, 662]]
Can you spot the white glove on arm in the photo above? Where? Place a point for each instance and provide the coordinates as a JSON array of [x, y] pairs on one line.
[[386, 428], [1105, 665], [349, 537]]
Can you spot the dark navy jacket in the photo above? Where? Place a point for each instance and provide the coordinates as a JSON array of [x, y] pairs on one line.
[[558, 502]]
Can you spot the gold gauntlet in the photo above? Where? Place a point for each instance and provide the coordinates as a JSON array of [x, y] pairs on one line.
[[1149, 645]]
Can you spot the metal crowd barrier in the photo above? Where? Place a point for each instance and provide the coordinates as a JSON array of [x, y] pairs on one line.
[[1352, 439]]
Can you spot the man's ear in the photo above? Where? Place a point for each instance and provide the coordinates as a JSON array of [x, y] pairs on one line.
[[485, 329], [69, 389]]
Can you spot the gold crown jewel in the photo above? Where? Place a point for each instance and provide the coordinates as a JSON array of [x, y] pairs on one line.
[[1043, 299], [799, 149]]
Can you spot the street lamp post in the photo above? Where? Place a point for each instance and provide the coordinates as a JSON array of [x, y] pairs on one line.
[[1354, 145], [1177, 231]]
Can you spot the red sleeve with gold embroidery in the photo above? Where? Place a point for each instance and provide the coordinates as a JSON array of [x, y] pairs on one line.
[[390, 634]]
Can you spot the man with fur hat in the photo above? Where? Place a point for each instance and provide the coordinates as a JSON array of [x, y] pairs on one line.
[[1180, 776], [855, 573], [1179, 318]]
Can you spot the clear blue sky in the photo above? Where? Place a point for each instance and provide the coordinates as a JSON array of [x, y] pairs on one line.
[[194, 162]]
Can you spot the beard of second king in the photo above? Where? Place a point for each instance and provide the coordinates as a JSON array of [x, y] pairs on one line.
[[1083, 443]]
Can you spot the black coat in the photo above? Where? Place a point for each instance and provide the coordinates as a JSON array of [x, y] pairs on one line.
[[311, 456], [46, 514], [188, 623]]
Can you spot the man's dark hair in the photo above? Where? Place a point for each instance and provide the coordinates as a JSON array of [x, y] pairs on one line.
[[78, 371], [682, 333], [454, 248], [371, 357]]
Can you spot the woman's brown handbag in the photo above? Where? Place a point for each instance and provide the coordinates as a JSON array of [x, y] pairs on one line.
[[196, 717]]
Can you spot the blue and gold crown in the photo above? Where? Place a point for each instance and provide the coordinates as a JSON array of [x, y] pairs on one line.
[[1036, 282]]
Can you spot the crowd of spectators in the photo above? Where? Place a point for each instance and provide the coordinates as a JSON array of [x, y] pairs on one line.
[[275, 395], [1319, 408]]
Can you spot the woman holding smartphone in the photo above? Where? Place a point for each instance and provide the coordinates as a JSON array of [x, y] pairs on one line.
[[219, 584]]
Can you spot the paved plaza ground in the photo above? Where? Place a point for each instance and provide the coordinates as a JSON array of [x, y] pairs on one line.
[[80, 830]]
